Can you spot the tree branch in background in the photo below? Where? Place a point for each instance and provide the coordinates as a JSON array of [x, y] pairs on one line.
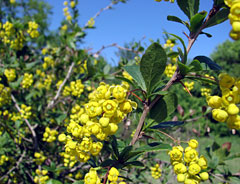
[[51, 104]]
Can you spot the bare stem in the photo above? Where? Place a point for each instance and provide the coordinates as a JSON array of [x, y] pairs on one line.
[[51, 104]]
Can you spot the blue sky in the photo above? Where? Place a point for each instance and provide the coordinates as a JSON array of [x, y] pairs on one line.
[[134, 20]]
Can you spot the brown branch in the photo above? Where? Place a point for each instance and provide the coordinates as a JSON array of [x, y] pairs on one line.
[[27, 122], [99, 12], [175, 78], [51, 104]]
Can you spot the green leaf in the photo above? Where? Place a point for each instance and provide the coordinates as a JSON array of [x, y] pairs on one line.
[[134, 71], [159, 93], [197, 21], [115, 146], [152, 65], [213, 162], [212, 65], [32, 64], [184, 58], [195, 66], [168, 124], [236, 155], [134, 163], [16, 84], [184, 69], [189, 7], [106, 69], [207, 34], [172, 54], [78, 182], [218, 18], [164, 107], [176, 19], [60, 118], [155, 146], [108, 162], [124, 154], [52, 181]]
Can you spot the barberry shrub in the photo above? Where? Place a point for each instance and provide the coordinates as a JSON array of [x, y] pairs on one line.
[[66, 116]]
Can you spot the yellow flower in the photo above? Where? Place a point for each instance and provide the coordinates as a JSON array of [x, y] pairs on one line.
[[232, 109], [215, 102], [72, 4], [91, 22], [204, 176], [190, 155], [219, 115], [225, 80], [91, 177], [109, 108], [113, 174], [193, 143], [194, 169], [175, 154], [180, 168], [181, 178], [202, 162], [62, 137]]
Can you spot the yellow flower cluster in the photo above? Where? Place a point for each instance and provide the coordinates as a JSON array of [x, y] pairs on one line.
[[3, 159], [225, 108], [169, 70], [206, 92], [49, 135], [45, 81], [190, 168], [32, 29], [171, 1], [48, 61], [69, 161], [234, 17], [92, 177], [66, 10], [10, 74], [78, 175], [169, 44], [25, 111], [91, 22], [18, 42], [39, 158], [7, 31], [96, 120], [75, 89], [5, 95], [41, 177], [8, 35], [156, 171], [27, 80], [188, 85], [12, 1]]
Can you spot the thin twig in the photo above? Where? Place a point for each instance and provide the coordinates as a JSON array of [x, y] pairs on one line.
[[50, 105], [99, 12], [27, 122], [96, 54], [16, 166]]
